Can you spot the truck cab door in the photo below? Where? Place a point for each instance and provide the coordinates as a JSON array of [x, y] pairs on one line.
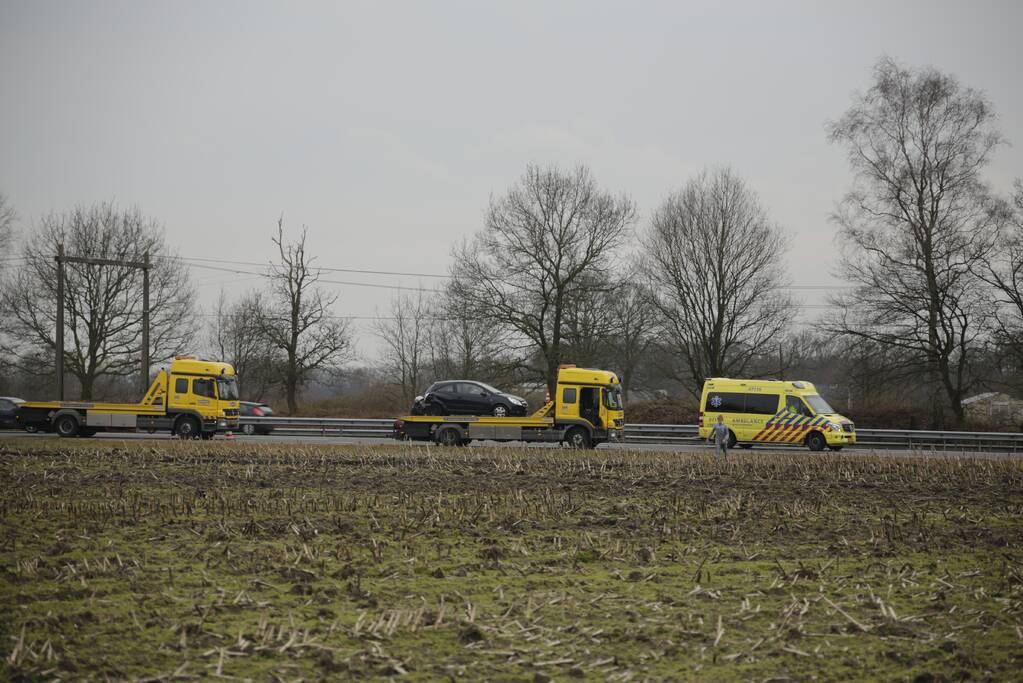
[[204, 393], [589, 406], [181, 395]]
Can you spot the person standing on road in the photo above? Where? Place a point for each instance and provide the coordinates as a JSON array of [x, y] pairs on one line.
[[720, 434]]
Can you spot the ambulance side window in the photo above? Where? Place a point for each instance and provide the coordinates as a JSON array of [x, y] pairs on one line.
[[794, 404], [725, 402], [181, 385], [762, 404]]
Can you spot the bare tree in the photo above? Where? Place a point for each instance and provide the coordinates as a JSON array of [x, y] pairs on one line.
[[406, 343], [916, 225], [551, 236], [464, 346], [589, 322], [234, 336], [103, 304], [297, 319], [713, 260], [1005, 273], [7, 219], [634, 325]]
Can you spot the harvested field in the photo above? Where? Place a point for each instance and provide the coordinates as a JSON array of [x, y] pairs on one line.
[[182, 560]]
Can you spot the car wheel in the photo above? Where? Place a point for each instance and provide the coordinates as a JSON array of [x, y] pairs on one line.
[[248, 429], [815, 441], [66, 426], [187, 428], [747, 446], [435, 409], [500, 410], [836, 448], [577, 437], [31, 429], [449, 436]]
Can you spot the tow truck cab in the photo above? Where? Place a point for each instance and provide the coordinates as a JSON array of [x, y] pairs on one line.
[[586, 410], [196, 398]]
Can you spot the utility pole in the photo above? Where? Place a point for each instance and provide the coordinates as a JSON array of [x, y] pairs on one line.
[[145, 324], [60, 322], [144, 266]]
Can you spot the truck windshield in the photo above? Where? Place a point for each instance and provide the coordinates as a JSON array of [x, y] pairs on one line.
[[819, 405], [613, 398], [227, 388]]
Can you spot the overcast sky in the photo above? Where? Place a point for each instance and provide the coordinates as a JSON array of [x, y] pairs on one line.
[[385, 127]]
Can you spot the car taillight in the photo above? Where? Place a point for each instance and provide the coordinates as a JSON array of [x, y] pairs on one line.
[[257, 412]]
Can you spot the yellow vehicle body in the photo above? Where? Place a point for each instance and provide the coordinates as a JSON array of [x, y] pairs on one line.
[[586, 410], [773, 412], [195, 398]]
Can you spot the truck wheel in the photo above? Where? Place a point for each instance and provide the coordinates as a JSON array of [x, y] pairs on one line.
[[66, 426], [248, 429], [449, 436], [576, 437], [187, 428], [815, 441], [500, 410], [87, 432]]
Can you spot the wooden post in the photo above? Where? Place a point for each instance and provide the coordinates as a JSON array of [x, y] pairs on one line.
[[59, 359]]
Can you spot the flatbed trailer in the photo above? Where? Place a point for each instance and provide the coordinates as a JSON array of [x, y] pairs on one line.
[[196, 399], [586, 411]]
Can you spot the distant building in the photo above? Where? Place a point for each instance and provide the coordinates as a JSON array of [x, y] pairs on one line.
[[994, 408]]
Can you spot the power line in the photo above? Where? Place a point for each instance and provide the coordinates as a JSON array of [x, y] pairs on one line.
[[413, 274], [320, 268]]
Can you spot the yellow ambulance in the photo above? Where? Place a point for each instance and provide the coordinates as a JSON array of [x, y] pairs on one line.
[[773, 411]]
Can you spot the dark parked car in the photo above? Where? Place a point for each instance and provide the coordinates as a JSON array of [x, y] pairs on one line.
[[8, 405], [252, 409], [465, 397]]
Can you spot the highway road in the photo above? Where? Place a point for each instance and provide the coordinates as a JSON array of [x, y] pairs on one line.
[[7, 436]]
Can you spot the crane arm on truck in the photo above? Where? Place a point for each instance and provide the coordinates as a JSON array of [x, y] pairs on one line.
[[157, 394]]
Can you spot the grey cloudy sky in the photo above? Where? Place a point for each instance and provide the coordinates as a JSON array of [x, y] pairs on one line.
[[385, 126]]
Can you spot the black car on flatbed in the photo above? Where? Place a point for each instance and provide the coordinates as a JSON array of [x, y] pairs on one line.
[[468, 397]]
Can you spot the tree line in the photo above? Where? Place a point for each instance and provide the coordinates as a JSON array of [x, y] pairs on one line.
[[562, 270]]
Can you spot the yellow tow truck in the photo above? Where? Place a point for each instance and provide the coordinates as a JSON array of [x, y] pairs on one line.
[[195, 399], [587, 410]]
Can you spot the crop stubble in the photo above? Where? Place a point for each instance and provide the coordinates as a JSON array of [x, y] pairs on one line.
[[179, 560]]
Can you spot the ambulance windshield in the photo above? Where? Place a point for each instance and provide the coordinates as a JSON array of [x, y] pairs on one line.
[[819, 405]]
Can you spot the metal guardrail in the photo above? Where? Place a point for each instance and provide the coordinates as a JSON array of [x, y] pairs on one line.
[[666, 434]]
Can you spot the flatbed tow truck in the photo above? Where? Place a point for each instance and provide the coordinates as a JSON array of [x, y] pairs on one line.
[[196, 399], [587, 410]]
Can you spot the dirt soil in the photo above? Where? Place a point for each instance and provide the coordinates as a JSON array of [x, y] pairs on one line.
[[161, 560]]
